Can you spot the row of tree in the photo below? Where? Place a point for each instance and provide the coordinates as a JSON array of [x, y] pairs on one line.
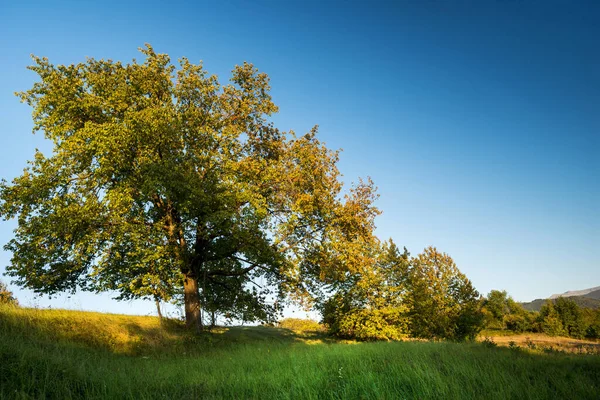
[[398, 296], [165, 184], [428, 297], [559, 317]]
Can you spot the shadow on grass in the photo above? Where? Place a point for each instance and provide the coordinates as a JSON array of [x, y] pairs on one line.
[[254, 334], [140, 335]]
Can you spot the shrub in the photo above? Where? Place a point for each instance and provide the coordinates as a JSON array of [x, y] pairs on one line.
[[552, 326], [301, 325], [516, 323], [489, 342], [469, 322], [383, 324], [593, 330], [571, 317], [344, 320]]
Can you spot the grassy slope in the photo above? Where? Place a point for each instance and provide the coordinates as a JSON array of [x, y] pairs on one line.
[[66, 354], [594, 295]]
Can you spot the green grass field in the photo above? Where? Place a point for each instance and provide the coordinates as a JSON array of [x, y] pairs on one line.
[[66, 354]]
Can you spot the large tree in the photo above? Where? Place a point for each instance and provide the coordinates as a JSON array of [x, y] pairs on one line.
[[163, 181]]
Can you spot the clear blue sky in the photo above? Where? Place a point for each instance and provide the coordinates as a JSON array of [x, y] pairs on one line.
[[478, 121]]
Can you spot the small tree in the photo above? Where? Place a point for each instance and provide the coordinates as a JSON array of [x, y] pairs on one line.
[[441, 300], [6, 296], [502, 312], [495, 307], [592, 318], [550, 321], [369, 304], [570, 316], [426, 296]]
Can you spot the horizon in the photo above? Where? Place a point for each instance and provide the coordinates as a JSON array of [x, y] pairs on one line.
[[477, 122]]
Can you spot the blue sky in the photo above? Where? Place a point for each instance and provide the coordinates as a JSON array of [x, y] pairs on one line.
[[478, 121]]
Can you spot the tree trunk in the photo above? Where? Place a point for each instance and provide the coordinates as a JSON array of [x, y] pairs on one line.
[[157, 301], [193, 319], [213, 319]]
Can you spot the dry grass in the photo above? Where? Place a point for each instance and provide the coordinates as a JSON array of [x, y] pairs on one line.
[[540, 341], [123, 334]]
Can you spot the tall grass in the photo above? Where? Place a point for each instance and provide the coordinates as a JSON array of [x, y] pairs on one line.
[[68, 355]]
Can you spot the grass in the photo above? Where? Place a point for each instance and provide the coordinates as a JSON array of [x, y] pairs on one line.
[[66, 355], [542, 343]]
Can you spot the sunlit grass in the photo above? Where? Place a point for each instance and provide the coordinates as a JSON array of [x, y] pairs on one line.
[[541, 343], [67, 354]]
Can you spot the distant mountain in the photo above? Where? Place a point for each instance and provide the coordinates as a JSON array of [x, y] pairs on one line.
[[589, 298], [576, 293], [594, 295]]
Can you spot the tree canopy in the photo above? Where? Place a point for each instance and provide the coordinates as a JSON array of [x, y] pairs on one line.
[[6, 296], [164, 182], [397, 296]]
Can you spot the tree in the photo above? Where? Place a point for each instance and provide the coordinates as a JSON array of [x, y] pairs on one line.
[[395, 295], [571, 317], [368, 303], [495, 308], [563, 317], [592, 322], [550, 321], [6, 296], [162, 183], [502, 312], [441, 300]]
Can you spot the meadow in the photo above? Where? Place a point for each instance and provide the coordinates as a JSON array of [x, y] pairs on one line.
[[539, 342], [58, 354]]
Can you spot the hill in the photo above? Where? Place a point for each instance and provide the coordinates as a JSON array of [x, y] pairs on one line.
[[573, 293], [59, 354], [588, 298], [582, 301], [593, 295]]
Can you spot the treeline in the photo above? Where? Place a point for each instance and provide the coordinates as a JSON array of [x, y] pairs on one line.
[[560, 317], [398, 296]]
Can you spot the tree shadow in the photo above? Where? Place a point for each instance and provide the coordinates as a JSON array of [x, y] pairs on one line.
[[266, 334], [140, 336]]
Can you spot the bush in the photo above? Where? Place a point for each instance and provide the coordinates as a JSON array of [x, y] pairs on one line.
[[383, 324], [552, 326], [571, 317], [469, 322], [593, 332], [343, 320], [516, 323], [592, 320], [300, 325]]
